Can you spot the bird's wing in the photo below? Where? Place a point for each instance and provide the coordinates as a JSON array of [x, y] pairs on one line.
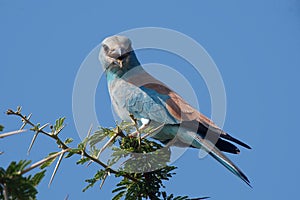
[[159, 103], [183, 112], [176, 105], [146, 103]]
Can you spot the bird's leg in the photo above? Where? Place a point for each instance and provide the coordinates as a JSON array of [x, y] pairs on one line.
[[134, 120], [145, 123], [137, 133], [141, 128]]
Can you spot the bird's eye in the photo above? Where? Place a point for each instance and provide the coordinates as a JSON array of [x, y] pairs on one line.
[[105, 47]]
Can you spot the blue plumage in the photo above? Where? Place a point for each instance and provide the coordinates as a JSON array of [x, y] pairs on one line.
[[134, 91]]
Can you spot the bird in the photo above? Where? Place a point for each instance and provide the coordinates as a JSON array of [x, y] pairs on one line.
[[135, 92]]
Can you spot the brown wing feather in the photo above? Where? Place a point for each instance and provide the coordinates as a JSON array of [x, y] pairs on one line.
[[184, 112], [178, 107]]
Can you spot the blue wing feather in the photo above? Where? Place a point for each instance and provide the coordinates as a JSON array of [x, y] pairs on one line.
[[147, 103]]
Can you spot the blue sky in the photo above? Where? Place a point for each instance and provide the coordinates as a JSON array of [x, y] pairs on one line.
[[255, 45]]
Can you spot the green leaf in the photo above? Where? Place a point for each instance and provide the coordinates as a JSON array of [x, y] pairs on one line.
[[15, 167], [82, 161], [81, 146], [181, 198], [72, 152], [119, 189], [58, 124], [100, 135], [17, 185], [68, 140], [1, 127], [101, 174], [19, 109], [36, 179], [36, 127], [119, 195]]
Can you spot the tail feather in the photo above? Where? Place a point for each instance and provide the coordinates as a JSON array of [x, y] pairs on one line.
[[230, 138], [219, 156], [235, 170], [226, 146], [212, 132]]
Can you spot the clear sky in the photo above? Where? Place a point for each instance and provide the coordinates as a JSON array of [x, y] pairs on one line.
[[255, 44]]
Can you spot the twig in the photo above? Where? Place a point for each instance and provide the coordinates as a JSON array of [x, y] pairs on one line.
[[24, 119], [5, 192], [39, 163], [3, 135], [137, 128]]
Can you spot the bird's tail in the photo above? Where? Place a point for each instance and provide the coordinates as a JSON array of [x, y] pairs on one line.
[[219, 156]]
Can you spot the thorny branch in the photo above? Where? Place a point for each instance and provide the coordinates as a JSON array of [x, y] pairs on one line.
[[62, 145], [133, 185]]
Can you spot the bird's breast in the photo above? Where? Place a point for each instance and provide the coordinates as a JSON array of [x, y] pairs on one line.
[[119, 91]]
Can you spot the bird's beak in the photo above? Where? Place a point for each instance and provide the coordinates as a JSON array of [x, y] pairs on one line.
[[119, 62]]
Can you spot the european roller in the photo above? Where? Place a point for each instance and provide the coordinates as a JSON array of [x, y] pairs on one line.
[[134, 92]]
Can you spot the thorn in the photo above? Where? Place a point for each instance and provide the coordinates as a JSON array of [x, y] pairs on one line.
[[62, 127], [152, 131], [117, 133], [56, 168], [107, 144], [29, 116], [89, 163], [88, 135], [67, 197], [103, 180], [43, 126], [32, 141], [25, 121]]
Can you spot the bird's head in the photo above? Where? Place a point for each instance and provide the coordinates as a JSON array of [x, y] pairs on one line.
[[116, 53]]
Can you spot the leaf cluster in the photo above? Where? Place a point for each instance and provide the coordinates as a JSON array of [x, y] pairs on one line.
[[13, 185], [141, 156]]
